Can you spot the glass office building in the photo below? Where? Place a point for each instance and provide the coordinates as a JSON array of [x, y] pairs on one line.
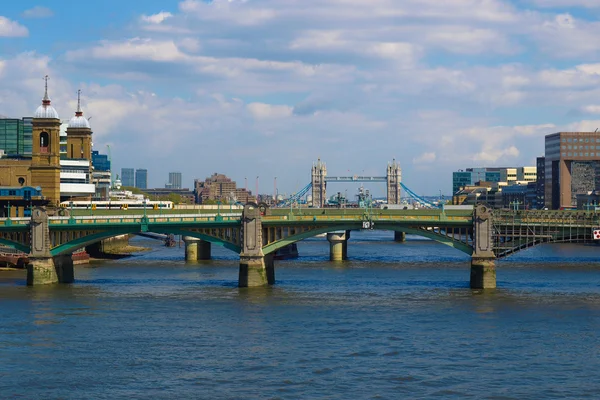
[[127, 177], [16, 136], [141, 178]]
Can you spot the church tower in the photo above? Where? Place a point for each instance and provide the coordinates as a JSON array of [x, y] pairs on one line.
[[79, 135], [45, 155]]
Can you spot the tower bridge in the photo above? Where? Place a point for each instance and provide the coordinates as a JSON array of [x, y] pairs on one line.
[[319, 180], [258, 232]]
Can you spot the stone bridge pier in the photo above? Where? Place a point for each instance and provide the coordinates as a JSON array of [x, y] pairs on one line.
[[338, 245], [196, 249], [44, 269], [483, 259], [256, 269]]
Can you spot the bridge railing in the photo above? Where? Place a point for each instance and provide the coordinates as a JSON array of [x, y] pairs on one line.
[[15, 221], [138, 219]]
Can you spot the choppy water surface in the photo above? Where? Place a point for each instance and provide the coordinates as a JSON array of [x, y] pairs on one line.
[[397, 321]]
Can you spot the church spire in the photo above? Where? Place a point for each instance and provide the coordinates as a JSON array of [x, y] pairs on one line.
[[79, 113], [46, 99]]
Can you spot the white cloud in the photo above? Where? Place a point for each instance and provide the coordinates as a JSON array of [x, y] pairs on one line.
[[566, 3], [425, 158], [265, 111], [38, 12], [156, 18], [10, 28]]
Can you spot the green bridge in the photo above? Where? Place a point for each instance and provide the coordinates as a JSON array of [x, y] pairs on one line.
[[258, 232]]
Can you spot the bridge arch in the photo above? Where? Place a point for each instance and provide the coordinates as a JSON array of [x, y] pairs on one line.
[[273, 247], [70, 246], [15, 245]]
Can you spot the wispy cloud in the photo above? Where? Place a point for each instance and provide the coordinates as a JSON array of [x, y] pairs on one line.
[[38, 12]]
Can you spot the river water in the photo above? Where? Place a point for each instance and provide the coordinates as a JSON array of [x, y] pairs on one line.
[[396, 321]]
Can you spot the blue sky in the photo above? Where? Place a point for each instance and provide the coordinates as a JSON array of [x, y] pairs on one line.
[[266, 87]]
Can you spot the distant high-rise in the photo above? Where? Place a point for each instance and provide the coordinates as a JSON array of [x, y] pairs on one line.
[[127, 177], [141, 178], [174, 180]]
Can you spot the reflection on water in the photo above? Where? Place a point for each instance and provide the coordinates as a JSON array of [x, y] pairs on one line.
[[397, 320]]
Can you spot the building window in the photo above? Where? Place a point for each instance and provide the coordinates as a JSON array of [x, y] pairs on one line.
[[564, 140], [580, 147], [586, 140], [12, 192], [564, 154], [563, 147], [44, 142], [569, 140], [569, 147], [570, 154], [587, 154], [581, 140], [591, 154], [580, 154]]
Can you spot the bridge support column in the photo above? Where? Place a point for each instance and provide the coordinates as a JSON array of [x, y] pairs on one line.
[[196, 249], [256, 269], [483, 264], [42, 268], [41, 271], [483, 273], [399, 237], [338, 245]]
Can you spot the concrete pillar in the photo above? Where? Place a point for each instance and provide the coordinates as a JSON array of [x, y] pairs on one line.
[[63, 266], [399, 237], [483, 273], [483, 265], [338, 245], [256, 271], [196, 249], [41, 271]]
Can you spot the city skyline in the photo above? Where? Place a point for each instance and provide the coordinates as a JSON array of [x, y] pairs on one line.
[[265, 88]]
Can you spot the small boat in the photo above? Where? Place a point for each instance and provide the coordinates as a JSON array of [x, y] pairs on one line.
[[288, 252]]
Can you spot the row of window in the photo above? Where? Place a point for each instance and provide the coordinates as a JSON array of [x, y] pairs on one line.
[[580, 154], [569, 147], [581, 140]]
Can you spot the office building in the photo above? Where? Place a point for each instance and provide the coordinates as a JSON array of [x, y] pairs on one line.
[[174, 180], [219, 187], [540, 189], [16, 136], [128, 177], [572, 161], [141, 178]]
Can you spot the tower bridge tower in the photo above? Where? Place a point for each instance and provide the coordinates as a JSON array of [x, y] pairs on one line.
[[394, 178], [319, 186]]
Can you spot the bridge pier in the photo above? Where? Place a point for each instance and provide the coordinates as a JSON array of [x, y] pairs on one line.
[[399, 237], [338, 245], [256, 271], [483, 264], [41, 271], [483, 273], [196, 249]]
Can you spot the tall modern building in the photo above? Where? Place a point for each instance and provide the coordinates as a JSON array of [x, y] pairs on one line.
[[571, 164], [540, 189], [127, 177], [16, 136], [470, 176], [141, 178], [174, 180]]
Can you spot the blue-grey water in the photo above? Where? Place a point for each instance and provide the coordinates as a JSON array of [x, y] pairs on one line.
[[396, 321]]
